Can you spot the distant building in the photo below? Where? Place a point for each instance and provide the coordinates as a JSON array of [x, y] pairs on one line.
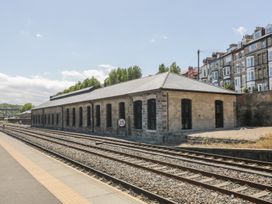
[[25, 115], [246, 66], [21, 118], [191, 73]]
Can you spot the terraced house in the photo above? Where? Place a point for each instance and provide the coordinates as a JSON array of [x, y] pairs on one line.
[[157, 109], [245, 66]]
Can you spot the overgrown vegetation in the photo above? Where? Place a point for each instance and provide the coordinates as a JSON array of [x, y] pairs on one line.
[[26, 107], [229, 86], [263, 143]]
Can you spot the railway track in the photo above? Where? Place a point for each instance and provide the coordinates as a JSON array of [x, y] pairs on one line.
[[258, 167], [100, 174], [254, 192]]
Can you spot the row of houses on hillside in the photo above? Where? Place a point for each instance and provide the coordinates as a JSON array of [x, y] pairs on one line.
[[245, 66]]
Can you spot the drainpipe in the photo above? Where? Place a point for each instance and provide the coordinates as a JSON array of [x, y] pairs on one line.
[[267, 60]]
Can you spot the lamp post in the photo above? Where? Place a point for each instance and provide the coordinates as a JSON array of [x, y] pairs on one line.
[[198, 53]]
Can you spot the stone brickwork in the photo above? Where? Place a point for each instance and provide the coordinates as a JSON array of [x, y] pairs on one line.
[[203, 110], [43, 115], [76, 127], [255, 109], [157, 135], [114, 129], [168, 115]]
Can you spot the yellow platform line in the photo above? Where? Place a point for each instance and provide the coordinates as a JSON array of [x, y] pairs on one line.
[[61, 191]]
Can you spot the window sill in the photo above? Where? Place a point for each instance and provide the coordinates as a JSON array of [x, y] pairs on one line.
[[151, 130], [186, 130]]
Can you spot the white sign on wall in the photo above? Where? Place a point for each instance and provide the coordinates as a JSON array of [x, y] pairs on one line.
[[122, 122]]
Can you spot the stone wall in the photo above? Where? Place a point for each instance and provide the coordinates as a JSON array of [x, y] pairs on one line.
[[168, 116], [203, 110], [129, 132], [44, 113], [255, 109]]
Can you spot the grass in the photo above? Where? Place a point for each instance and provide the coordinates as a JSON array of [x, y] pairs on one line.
[[263, 143]]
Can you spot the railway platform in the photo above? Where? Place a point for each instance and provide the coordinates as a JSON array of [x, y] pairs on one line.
[[29, 176]]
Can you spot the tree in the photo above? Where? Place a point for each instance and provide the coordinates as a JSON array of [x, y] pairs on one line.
[[26, 107], [229, 86], [174, 68], [163, 68], [123, 74], [90, 82], [81, 85]]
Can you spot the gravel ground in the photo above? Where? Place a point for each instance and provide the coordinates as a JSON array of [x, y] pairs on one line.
[[181, 192], [219, 170], [250, 134]]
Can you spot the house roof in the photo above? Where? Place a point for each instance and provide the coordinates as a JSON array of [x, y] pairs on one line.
[[88, 89], [165, 81], [25, 112]]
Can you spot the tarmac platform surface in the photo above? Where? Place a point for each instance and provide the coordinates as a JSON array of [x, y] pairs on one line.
[[30, 176]]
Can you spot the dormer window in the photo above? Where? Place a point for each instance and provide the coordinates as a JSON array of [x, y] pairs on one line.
[[257, 34]]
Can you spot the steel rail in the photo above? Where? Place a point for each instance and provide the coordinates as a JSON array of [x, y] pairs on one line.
[[174, 152], [205, 173], [124, 184], [212, 187]]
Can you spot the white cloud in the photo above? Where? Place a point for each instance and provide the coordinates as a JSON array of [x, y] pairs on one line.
[[38, 35], [100, 72], [35, 89], [164, 37], [153, 40], [241, 30], [158, 37]]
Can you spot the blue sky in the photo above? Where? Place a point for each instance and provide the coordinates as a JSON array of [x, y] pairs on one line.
[[63, 41]]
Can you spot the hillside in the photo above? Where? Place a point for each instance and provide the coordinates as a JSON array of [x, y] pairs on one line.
[[4, 113]]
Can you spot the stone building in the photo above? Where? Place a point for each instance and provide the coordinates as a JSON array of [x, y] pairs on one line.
[[157, 109], [246, 66], [216, 69], [191, 72]]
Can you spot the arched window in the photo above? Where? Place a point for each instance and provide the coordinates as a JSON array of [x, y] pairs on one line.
[[67, 117], [109, 115], [122, 111], [137, 112], [88, 116], [219, 114], [80, 117], [151, 114], [45, 119], [57, 119], [74, 117], [97, 115], [48, 117], [53, 119], [186, 113]]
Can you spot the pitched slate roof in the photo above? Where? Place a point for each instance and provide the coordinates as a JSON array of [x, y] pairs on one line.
[[155, 82]]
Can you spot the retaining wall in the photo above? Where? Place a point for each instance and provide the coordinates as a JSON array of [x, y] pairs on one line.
[[255, 109], [255, 154]]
